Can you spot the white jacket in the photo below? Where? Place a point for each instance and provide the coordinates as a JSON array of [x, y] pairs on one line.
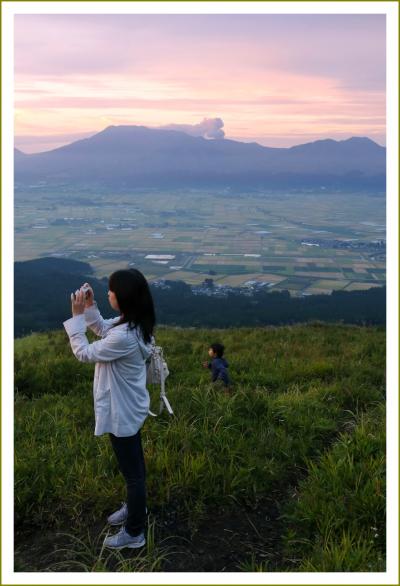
[[121, 399]]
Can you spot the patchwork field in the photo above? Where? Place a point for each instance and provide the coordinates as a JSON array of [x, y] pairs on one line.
[[287, 241]]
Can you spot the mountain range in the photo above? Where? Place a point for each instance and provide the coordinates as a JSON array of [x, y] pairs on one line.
[[137, 156]]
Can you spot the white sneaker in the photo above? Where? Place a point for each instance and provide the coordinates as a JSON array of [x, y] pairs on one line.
[[123, 539], [119, 517]]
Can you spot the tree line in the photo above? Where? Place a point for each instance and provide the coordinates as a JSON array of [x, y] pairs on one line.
[[42, 291]]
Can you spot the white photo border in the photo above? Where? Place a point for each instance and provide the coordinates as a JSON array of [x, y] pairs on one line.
[[9, 9]]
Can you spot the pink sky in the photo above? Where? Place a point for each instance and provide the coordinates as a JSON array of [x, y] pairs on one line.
[[278, 80]]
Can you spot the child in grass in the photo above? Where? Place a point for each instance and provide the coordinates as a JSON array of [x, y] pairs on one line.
[[218, 365]]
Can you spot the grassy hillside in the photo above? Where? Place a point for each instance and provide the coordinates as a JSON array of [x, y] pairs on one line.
[[286, 473]]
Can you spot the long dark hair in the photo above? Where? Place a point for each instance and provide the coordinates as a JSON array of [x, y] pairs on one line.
[[134, 300]]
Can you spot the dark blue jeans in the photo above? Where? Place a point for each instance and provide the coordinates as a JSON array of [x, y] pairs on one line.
[[129, 453]]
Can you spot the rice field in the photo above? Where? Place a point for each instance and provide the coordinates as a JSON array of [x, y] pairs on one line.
[[232, 237]]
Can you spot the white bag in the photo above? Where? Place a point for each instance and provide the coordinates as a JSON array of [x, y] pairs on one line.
[[156, 373], [157, 369]]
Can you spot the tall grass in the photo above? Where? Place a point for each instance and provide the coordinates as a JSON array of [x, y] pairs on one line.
[[338, 518], [87, 554], [297, 390]]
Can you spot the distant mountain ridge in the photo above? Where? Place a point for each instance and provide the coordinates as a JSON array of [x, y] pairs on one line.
[[135, 156]]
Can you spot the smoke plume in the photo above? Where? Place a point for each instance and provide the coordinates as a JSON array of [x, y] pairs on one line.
[[208, 128]]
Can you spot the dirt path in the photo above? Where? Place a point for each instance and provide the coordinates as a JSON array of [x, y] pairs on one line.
[[230, 538], [225, 541]]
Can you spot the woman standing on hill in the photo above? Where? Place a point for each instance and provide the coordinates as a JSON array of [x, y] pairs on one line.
[[121, 399]]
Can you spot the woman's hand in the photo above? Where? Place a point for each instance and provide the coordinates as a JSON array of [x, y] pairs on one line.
[[78, 302], [89, 297]]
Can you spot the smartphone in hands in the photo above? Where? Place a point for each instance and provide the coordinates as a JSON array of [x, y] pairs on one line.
[[86, 289]]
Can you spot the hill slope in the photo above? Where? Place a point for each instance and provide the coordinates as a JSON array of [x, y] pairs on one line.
[[230, 476]]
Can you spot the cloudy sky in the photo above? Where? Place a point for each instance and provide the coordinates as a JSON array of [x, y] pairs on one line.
[[278, 80]]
